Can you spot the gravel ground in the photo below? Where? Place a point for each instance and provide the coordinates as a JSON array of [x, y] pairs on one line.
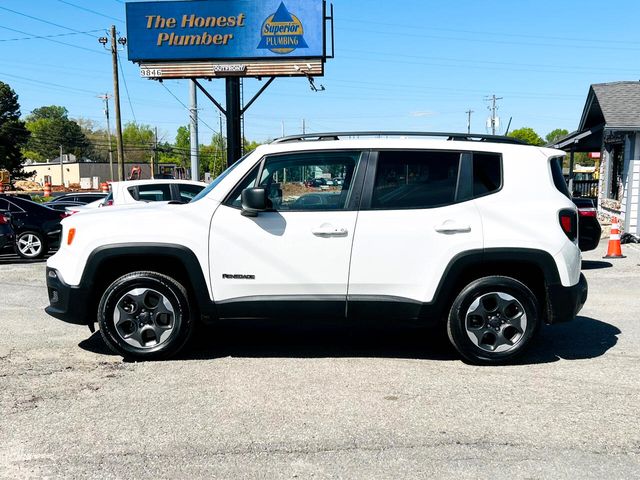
[[298, 401]]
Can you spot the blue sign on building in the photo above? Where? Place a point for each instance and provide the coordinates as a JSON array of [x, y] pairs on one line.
[[225, 30]]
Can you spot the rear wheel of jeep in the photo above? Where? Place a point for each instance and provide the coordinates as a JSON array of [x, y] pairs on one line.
[[145, 316], [493, 319]]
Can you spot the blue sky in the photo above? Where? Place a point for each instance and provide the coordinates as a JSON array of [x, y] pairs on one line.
[[404, 65]]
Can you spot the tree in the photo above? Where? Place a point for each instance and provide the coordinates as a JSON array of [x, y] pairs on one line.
[[527, 135], [556, 134], [51, 128], [13, 133], [183, 146], [98, 140], [138, 142]]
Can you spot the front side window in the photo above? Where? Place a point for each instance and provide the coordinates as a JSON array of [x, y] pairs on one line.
[[415, 179], [303, 181], [309, 180]]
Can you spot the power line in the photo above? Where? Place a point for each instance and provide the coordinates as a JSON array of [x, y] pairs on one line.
[[126, 88], [53, 41], [49, 83], [91, 11], [186, 108], [47, 36], [478, 32], [46, 21]]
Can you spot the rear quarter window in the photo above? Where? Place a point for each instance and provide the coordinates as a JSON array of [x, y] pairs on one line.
[[558, 178], [487, 173]]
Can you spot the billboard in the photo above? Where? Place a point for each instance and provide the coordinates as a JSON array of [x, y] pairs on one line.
[[225, 30]]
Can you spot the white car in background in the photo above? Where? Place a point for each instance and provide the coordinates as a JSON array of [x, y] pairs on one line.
[[132, 192]]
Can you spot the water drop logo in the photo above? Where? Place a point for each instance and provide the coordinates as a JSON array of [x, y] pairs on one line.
[[282, 32]]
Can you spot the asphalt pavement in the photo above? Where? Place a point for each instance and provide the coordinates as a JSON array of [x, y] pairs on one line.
[[318, 401]]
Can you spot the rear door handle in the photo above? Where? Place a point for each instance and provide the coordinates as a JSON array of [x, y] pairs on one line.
[[326, 230], [451, 226]]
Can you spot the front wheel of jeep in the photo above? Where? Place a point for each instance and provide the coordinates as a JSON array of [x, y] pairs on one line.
[[145, 316]]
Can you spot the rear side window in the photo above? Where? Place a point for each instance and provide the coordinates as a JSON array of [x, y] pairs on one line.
[[152, 193], [415, 179], [487, 173], [558, 178]]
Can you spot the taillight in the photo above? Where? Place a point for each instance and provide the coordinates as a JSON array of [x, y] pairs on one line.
[[3, 220], [569, 223], [64, 215], [108, 203], [587, 212]]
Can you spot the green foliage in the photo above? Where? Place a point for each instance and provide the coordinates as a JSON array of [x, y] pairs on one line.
[[527, 135], [13, 133], [556, 134], [98, 140], [139, 141], [51, 128]]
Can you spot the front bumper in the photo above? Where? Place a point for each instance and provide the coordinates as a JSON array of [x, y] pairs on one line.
[[564, 303], [67, 303]]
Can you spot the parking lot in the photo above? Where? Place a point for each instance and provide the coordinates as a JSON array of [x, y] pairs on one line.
[[317, 401]]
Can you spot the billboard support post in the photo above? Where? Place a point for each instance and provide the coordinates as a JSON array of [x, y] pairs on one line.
[[234, 134], [195, 164]]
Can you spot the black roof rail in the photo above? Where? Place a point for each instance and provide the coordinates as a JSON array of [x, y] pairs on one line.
[[464, 137]]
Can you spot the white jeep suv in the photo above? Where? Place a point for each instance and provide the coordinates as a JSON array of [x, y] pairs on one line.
[[472, 231]]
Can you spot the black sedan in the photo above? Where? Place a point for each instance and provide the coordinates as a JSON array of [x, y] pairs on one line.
[[589, 229], [37, 228], [74, 200]]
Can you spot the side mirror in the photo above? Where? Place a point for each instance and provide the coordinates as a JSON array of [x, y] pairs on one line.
[[254, 200]]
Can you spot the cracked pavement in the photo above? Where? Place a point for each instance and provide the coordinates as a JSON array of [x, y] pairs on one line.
[[318, 401]]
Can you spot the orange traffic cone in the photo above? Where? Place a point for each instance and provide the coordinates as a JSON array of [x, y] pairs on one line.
[[614, 250], [47, 189]]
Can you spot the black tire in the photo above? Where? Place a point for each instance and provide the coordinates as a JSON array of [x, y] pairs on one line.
[[134, 334], [492, 320], [31, 245]]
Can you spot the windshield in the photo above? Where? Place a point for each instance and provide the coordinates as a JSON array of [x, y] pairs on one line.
[[218, 179]]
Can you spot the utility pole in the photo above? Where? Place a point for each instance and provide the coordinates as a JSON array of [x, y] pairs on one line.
[[116, 96], [61, 168], [106, 98], [154, 158], [469, 112], [193, 110], [283, 128], [493, 108], [304, 127]]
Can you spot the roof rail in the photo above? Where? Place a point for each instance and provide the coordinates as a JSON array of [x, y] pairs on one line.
[[464, 137]]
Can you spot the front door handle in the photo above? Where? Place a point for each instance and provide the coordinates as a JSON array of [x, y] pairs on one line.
[[451, 226], [327, 230]]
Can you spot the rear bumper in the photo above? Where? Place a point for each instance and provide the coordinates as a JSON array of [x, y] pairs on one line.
[[66, 303], [564, 303]]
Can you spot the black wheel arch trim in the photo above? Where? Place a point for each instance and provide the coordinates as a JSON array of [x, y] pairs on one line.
[[184, 255]]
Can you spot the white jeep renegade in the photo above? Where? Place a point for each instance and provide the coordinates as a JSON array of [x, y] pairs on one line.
[[476, 232]]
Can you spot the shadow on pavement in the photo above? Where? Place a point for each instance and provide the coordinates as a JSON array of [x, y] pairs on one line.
[[14, 259], [595, 264], [578, 340], [581, 339]]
